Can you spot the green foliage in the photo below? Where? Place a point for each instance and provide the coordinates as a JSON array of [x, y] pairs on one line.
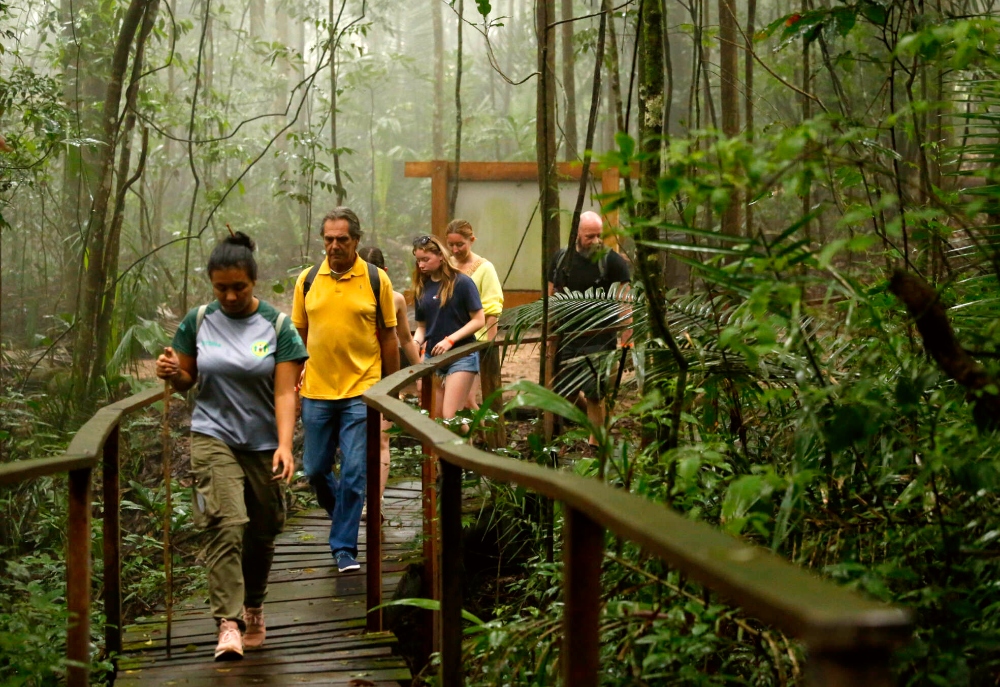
[[33, 615]]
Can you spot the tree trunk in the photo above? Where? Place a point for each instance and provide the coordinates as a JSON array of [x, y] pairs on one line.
[[437, 132], [571, 151], [258, 12], [83, 91], [730, 101], [650, 124], [458, 115], [340, 190], [545, 130], [99, 264], [748, 90], [545, 146]]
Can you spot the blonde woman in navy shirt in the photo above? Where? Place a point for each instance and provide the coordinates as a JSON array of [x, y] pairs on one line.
[[448, 313]]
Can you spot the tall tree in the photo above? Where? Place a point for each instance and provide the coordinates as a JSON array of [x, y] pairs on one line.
[[650, 124], [334, 22], [96, 298], [437, 134], [84, 80], [453, 199], [545, 127], [569, 83], [748, 95], [545, 148], [729, 101]]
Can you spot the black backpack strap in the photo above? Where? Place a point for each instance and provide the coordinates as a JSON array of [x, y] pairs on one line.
[[376, 283], [559, 257], [310, 278]]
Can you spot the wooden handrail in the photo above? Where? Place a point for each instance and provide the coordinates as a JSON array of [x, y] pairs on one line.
[[95, 442], [849, 637]]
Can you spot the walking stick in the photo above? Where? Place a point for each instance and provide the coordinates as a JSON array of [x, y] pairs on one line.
[[167, 557]]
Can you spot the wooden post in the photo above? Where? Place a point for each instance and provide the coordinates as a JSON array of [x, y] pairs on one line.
[[373, 528], [583, 551], [439, 198], [78, 579], [489, 373], [451, 575], [428, 486], [868, 667], [112, 546], [549, 425]]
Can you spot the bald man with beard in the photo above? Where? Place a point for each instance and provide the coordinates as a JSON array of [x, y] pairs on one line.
[[591, 266]]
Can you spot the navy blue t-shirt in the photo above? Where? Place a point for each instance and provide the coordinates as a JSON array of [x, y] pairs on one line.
[[441, 322]]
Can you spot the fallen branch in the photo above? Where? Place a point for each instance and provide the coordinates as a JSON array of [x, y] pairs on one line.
[[924, 305]]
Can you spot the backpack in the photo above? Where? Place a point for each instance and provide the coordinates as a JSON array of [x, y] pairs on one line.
[[373, 279], [602, 263]]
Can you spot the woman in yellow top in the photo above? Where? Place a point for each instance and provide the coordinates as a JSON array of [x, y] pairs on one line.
[[460, 238]]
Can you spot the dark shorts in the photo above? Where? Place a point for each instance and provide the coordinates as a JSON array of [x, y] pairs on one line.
[[576, 372]]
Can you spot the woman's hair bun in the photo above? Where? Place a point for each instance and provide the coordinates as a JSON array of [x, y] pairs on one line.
[[241, 239]]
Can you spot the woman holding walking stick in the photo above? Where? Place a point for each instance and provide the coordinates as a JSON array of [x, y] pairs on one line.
[[246, 357]]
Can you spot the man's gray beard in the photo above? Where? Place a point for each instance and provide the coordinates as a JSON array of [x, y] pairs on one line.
[[586, 252]]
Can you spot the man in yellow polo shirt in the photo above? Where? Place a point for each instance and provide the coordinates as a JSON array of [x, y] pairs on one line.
[[348, 353]]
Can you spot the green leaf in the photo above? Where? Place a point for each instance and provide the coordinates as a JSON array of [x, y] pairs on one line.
[[427, 605], [529, 394], [874, 12], [278, 287]]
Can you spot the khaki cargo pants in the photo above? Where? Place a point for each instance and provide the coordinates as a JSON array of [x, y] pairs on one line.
[[242, 509]]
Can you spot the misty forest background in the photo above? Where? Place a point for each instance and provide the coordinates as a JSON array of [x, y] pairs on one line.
[[810, 201]]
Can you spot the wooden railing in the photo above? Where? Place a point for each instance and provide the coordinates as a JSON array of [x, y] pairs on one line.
[[96, 443], [849, 639]]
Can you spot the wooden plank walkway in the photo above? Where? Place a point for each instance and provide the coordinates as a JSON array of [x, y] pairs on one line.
[[315, 616]]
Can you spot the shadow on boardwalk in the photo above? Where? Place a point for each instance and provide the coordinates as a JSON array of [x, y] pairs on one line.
[[315, 616]]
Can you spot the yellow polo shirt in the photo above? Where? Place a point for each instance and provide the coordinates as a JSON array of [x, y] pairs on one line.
[[345, 358]]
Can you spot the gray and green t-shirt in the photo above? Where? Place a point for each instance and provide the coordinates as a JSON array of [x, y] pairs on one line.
[[236, 359]]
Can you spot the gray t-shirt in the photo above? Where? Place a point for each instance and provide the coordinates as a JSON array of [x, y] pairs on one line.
[[236, 359]]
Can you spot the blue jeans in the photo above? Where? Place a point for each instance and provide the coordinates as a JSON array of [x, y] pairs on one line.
[[329, 425]]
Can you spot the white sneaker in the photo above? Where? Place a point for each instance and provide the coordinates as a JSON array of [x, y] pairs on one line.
[[230, 647]]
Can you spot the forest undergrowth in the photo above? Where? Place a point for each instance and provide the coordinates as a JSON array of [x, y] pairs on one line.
[[872, 473]]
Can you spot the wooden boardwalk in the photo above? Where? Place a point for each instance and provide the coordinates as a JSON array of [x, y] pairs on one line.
[[315, 616]]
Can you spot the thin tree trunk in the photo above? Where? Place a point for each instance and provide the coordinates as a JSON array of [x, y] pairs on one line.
[[595, 104], [84, 363], [334, 20], [650, 124], [806, 114], [545, 137], [569, 83], [106, 317], [748, 89], [458, 114], [730, 101], [437, 23], [258, 10], [703, 61], [191, 165], [614, 69], [668, 73]]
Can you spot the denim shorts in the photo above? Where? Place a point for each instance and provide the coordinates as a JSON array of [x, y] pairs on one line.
[[469, 363]]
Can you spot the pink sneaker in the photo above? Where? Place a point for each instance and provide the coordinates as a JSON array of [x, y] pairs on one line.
[[230, 647], [253, 638]]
